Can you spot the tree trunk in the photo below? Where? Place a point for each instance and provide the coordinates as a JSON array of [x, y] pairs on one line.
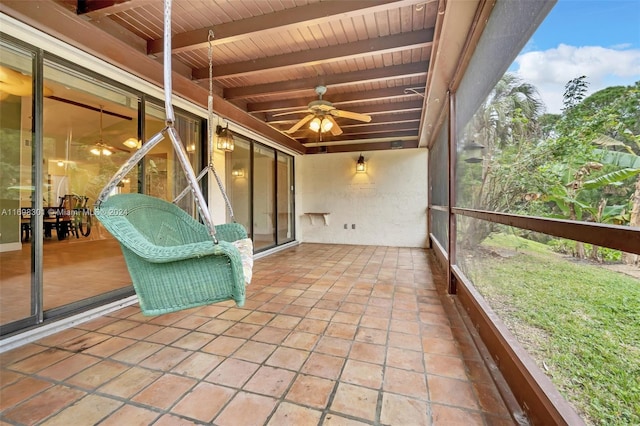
[[634, 221], [595, 248], [579, 253]]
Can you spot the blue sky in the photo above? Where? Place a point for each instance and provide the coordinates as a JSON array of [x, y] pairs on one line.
[[596, 38]]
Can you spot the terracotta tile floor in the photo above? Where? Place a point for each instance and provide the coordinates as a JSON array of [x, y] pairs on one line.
[[330, 334]]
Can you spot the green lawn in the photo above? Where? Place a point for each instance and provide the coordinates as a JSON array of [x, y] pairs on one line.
[[580, 322]]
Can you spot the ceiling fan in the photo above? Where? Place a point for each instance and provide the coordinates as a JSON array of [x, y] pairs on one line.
[[100, 148], [321, 115]]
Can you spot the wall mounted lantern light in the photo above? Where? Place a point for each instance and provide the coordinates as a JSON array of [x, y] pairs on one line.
[[361, 166], [239, 172], [225, 138]]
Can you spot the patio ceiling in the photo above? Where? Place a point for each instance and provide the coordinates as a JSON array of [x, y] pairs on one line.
[[268, 56]]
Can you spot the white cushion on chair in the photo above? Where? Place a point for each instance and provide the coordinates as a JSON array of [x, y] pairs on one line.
[[245, 247]]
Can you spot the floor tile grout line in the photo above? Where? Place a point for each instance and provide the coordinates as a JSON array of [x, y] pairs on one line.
[[400, 291]]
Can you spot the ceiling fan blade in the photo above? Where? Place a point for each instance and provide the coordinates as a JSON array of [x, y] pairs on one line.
[[115, 148], [335, 129], [300, 123], [292, 112], [350, 115], [111, 148]]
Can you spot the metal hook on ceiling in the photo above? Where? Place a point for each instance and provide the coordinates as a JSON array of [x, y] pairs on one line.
[[413, 90]]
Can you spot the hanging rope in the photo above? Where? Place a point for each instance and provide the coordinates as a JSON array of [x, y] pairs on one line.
[[174, 137], [210, 165], [172, 263], [210, 98]]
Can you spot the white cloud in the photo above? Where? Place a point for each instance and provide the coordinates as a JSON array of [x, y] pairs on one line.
[[551, 69]]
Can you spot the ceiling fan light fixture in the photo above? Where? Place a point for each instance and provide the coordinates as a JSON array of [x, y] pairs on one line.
[[321, 124], [98, 150], [315, 124], [132, 143], [326, 125]]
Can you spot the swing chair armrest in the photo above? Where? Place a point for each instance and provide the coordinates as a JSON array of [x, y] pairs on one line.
[[230, 232]]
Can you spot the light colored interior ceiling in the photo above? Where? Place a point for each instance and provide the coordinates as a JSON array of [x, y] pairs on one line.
[[374, 57]]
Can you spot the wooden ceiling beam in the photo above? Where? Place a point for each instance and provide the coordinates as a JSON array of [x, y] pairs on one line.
[[305, 58], [368, 129], [363, 147], [349, 78], [85, 7], [360, 136], [276, 22], [339, 98], [380, 119], [395, 117], [53, 19], [387, 109]]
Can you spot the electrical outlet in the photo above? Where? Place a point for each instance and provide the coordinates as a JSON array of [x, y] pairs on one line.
[[353, 226]]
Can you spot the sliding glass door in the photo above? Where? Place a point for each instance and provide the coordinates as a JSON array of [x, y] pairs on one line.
[[263, 197], [261, 190], [239, 177], [64, 132], [17, 188], [285, 196], [86, 127]]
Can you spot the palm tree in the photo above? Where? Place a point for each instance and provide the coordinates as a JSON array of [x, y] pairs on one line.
[[506, 125], [509, 113]]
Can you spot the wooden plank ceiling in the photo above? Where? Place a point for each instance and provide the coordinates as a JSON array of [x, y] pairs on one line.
[[269, 56]]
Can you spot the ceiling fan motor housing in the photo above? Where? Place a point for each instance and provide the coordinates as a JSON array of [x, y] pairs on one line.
[[321, 90]]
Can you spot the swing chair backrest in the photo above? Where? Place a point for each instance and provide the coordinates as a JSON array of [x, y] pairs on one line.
[[141, 223], [161, 223]]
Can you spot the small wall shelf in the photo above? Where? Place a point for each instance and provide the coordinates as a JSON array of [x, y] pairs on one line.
[[325, 216]]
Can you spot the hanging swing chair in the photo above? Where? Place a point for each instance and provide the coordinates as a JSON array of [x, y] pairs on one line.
[[175, 261]]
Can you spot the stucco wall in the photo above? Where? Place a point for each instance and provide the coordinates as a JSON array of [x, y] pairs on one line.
[[387, 204]]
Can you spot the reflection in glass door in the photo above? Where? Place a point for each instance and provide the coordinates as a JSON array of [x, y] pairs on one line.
[[163, 175], [263, 197], [88, 131], [239, 182], [284, 195], [260, 186], [63, 135], [17, 202]]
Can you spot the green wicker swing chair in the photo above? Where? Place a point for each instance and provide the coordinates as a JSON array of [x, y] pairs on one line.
[[172, 260], [176, 262]]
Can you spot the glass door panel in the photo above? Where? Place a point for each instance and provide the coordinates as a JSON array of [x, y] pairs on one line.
[[239, 182], [163, 175], [87, 134], [284, 195], [17, 207], [263, 197]]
